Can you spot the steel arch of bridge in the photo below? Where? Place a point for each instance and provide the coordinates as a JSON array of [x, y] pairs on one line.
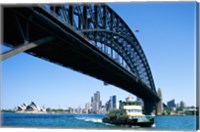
[[104, 29]]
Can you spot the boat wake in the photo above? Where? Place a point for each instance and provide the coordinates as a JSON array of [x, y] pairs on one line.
[[154, 125], [108, 124], [95, 120]]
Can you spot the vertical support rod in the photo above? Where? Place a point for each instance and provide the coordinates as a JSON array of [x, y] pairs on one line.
[[117, 25], [71, 14], [111, 28], [112, 42], [27, 32], [79, 22], [95, 16], [85, 26], [104, 16], [111, 24], [21, 30], [95, 21]]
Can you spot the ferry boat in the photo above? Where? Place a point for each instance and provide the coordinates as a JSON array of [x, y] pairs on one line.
[[129, 113]]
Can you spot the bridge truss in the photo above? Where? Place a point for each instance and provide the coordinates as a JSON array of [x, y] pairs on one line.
[[100, 25]]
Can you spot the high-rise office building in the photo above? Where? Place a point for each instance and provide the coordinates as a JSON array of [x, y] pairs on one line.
[[171, 104], [114, 101], [96, 102], [182, 105], [111, 103], [107, 105], [100, 104], [117, 105], [92, 103], [91, 99]]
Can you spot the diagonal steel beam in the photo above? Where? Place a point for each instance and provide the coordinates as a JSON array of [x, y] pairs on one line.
[[24, 47]]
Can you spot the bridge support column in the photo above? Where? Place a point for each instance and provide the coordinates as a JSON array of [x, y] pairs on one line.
[[149, 107], [24, 47]]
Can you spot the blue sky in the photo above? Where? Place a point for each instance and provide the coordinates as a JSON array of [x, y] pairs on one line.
[[167, 36]]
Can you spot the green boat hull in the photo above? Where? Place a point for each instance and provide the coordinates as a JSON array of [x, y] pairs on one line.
[[130, 122]]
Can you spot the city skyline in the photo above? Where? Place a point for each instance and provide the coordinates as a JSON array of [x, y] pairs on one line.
[[171, 59], [111, 103]]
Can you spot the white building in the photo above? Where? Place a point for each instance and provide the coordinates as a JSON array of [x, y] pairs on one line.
[[88, 108], [32, 108]]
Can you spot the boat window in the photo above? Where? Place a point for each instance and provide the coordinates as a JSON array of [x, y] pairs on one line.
[[135, 111]]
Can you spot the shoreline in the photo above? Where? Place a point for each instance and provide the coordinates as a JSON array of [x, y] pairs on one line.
[[28, 112], [75, 113]]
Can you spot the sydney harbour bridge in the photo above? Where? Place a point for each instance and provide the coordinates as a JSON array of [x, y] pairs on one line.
[[88, 38]]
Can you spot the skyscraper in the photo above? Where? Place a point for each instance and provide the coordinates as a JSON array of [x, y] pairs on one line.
[[182, 104], [107, 105], [171, 104], [114, 102], [110, 103], [96, 102], [91, 99]]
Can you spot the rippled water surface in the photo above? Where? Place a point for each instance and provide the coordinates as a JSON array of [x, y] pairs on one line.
[[91, 121]]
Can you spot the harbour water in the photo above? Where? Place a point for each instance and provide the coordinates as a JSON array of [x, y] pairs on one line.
[[90, 121]]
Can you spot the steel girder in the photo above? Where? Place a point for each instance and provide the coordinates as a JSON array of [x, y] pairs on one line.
[[100, 25]]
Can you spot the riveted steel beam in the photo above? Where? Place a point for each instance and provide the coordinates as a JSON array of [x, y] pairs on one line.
[[24, 47]]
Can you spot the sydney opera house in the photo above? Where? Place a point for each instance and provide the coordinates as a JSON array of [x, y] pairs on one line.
[[31, 108]]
